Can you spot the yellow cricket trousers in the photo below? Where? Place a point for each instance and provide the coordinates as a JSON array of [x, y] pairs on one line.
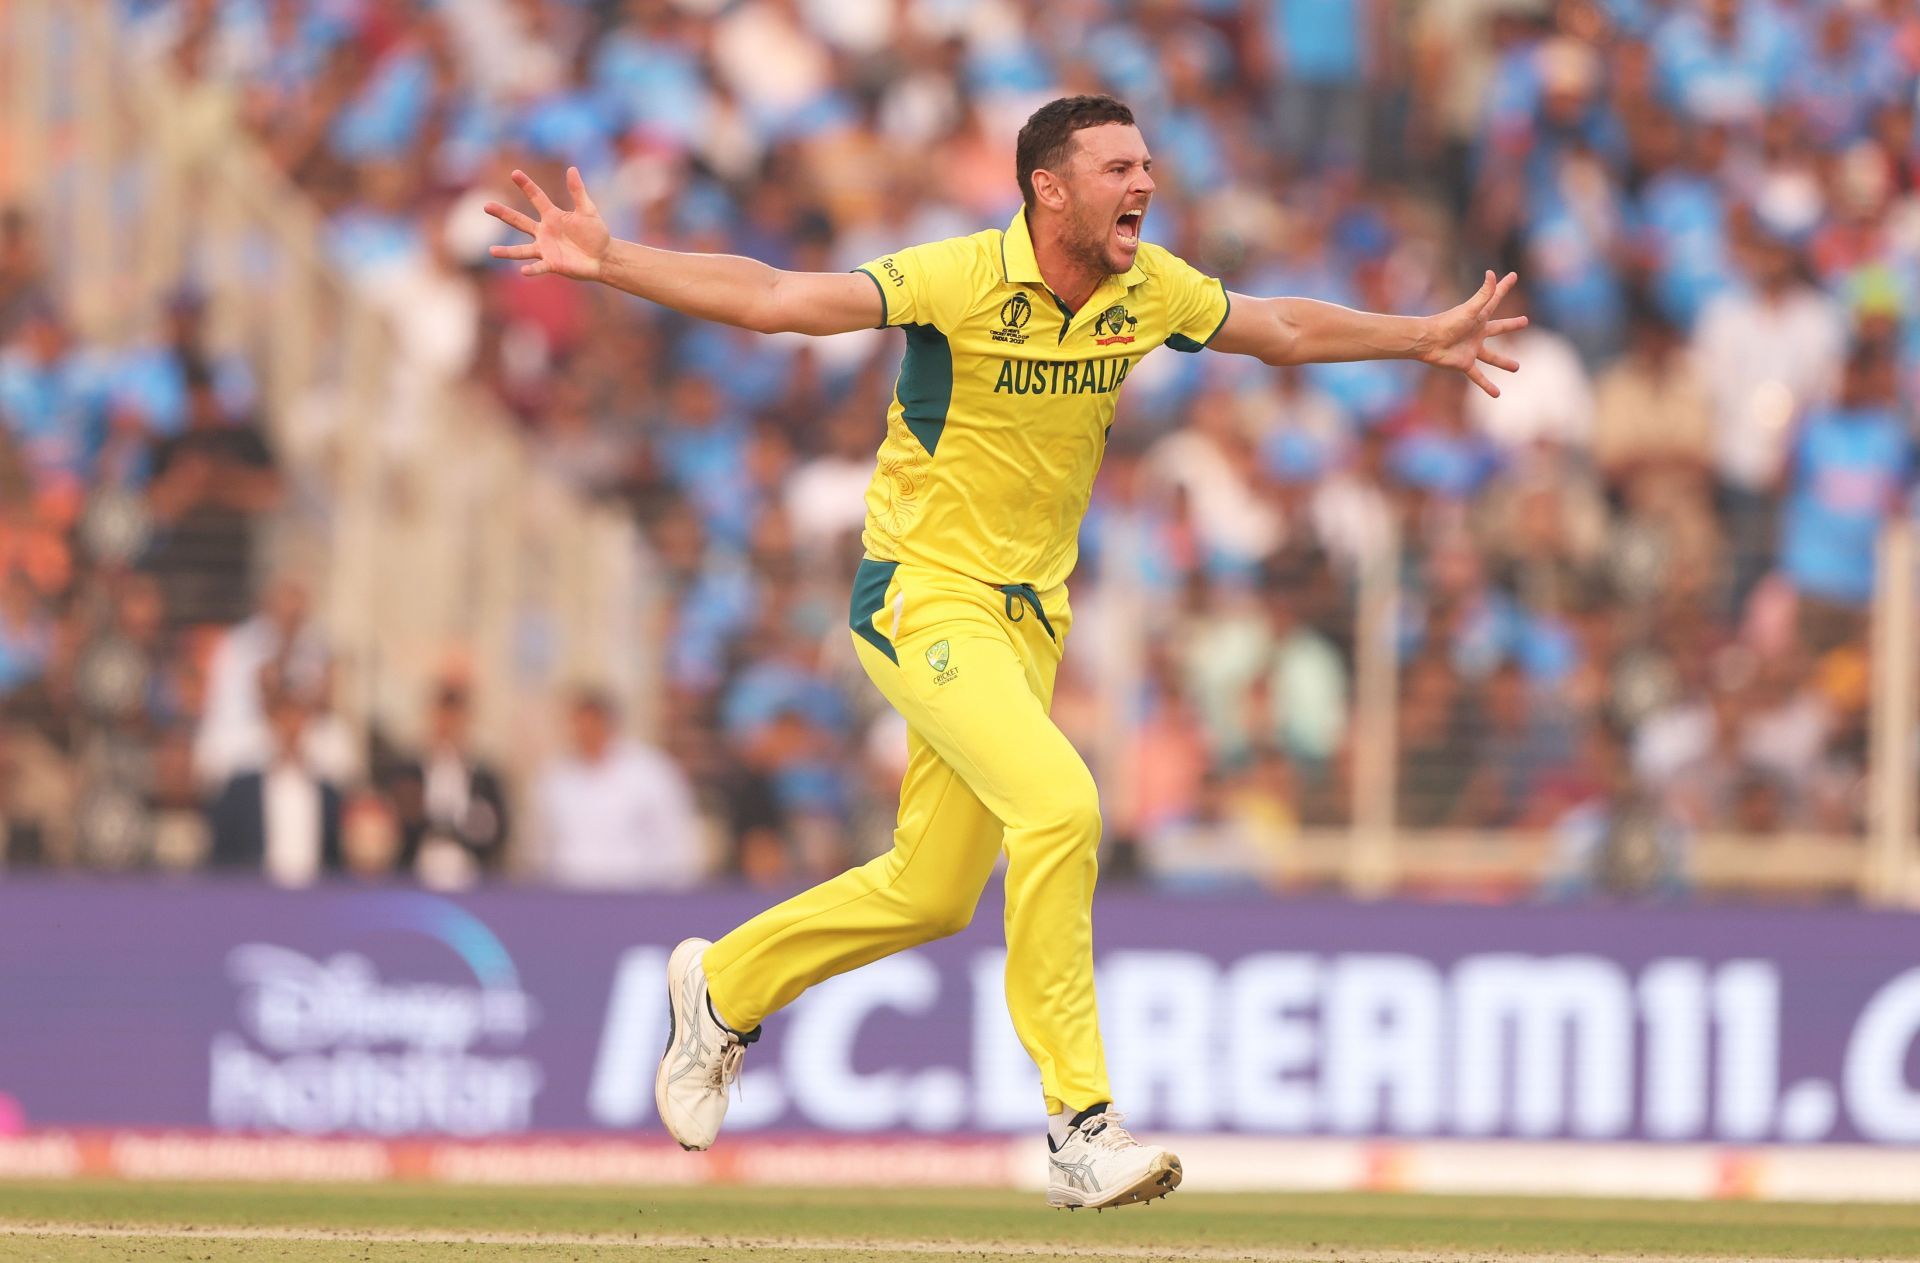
[[971, 668]]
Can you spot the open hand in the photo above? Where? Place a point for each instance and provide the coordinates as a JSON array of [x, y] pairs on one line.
[[1457, 339], [568, 243]]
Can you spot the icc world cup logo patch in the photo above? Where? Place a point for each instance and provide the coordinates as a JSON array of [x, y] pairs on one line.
[[1014, 315], [1114, 325]]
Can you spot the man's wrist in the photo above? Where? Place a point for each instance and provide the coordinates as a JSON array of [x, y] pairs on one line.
[[604, 265], [614, 262], [1423, 339]]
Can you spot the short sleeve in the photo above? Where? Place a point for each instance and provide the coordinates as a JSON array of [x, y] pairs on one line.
[[931, 284], [1196, 303]]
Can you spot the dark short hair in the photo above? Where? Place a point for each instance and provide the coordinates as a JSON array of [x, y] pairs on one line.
[[1043, 141]]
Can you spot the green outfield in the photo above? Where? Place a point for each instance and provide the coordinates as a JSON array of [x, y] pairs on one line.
[[154, 1223]]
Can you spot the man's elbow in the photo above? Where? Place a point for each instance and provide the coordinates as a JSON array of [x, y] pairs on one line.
[[770, 307], [766, 317], [1282, 348], [790, 318]]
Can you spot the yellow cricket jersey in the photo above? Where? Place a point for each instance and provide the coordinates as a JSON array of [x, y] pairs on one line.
[[1000, 415]]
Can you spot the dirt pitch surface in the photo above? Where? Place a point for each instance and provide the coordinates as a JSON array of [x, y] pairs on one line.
[[156, 1223]]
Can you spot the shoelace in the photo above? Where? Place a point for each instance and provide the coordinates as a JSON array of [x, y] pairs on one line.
[[1104, 1131], [726, 1071]]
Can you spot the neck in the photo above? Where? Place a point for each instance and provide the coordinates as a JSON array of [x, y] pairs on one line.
[[1071, 277]]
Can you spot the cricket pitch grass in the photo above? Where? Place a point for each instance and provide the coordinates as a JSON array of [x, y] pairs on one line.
[[203, 1223]]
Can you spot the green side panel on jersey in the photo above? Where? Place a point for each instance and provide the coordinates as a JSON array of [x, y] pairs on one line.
[[925, 388], [869, 598]]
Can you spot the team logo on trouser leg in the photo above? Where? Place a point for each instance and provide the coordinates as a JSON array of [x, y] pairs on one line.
[[939, 655]]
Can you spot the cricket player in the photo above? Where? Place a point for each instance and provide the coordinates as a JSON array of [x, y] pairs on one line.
[[1017, 344]]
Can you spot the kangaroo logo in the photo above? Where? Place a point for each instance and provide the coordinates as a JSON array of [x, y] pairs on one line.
[[1115, 324]]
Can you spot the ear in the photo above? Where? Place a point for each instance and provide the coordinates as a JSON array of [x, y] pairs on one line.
[[1049, 190]]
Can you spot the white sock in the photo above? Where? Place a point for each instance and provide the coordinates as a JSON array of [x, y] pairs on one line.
[[1059, 1127]]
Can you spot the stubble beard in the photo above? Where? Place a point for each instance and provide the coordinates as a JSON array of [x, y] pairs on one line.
[[1089, 247]]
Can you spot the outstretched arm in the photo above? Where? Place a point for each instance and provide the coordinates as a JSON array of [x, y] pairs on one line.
[[1302, 331], [722, 287]]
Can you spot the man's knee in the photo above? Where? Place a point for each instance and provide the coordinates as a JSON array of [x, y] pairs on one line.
[[944, 913], [1072, 812]]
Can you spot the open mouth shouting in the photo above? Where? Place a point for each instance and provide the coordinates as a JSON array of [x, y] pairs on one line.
[[1127, 228]]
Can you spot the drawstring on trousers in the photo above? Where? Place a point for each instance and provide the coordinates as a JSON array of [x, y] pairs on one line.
[[1025, 592]]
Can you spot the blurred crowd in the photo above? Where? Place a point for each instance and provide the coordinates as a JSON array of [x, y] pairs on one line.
[[1633, 592]]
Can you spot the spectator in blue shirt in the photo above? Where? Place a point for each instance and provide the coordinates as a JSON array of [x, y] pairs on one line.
[[26, 635], [1723, 60], [1850, 465], [704, 447], [784, 719], [1319, 63], [392, 103], [379, 230], [1574, 233], [1848, 74], [152, 379], [1187, 128], [647, 75], [1438, 449], [1683, 223], [53, 398]]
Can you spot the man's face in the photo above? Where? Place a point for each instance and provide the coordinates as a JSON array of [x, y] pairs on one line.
[[1108, 180], [286, 606], [450, 721], [1872, 379], [592, 731], [46, 340], [1772, 261], [203, 408], [287, 718]]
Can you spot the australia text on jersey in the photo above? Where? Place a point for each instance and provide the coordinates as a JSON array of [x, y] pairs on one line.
[[1062, 377]]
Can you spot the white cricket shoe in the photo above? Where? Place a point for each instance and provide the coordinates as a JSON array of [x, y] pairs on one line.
[[1100, 1165], [702, 1058]]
